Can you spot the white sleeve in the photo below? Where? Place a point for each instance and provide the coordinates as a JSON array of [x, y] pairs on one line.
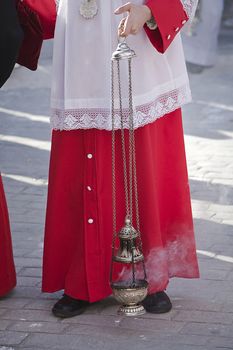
[[57, 3], [190, 7]]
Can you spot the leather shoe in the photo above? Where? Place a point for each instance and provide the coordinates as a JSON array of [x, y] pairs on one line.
[[157, 303], [69, 307]]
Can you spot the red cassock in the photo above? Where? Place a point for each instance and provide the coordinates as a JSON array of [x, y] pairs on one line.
[[78, 232], [78, 235], [7, 268]]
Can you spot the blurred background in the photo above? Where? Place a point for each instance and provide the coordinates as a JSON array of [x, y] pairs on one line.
[[203, 309], [200, 38]]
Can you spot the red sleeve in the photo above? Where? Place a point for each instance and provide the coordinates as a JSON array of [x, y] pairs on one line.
[[170, 18], [46, 10], [33, 36]]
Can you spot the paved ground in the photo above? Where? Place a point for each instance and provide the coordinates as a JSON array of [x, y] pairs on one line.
[[202, 317]]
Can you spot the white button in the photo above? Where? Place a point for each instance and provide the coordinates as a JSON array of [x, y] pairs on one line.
[[184, 21], [169, 37], [89, 156], [177, 29], [90, 221], [89, 188]]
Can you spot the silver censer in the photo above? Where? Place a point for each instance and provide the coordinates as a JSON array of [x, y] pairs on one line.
[[130, 290]]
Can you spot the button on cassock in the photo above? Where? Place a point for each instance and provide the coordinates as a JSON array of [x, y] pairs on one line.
[[89, 156], [89, 188], [90, 221]]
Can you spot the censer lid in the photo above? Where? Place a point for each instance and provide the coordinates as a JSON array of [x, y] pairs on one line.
[[128, 231], [123, 51]]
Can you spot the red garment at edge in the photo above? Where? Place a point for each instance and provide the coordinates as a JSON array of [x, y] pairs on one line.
[[37, 19], [78, 235], [7, 268], [46, 12]]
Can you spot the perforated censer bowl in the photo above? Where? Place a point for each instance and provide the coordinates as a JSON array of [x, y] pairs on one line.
[[130, 296]]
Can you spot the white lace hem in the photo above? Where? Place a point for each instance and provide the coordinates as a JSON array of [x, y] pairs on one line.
[[72, 119], [190, 7]]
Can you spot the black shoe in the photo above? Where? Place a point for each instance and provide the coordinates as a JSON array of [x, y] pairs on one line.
[[157, 303], [69, 307]]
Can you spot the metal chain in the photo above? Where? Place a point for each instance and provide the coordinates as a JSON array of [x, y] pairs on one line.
[[123, 141], [131, 131], [128, 187], [113, 169], [131, 170], [132, 147], [133, 185]]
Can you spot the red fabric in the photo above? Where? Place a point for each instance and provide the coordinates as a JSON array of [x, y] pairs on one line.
[[33, 37], [7, 268], [37, 19], [46, 11], [169, 15], [77, 254]]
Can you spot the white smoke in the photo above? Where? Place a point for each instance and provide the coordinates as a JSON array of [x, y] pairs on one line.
[[177, 258]]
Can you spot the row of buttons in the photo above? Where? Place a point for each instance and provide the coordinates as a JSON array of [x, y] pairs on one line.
[[90, 220], [176, 29]]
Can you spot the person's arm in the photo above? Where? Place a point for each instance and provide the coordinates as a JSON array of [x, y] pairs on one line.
[[30, 49], [37, 19], [170, 16], [46, 11]]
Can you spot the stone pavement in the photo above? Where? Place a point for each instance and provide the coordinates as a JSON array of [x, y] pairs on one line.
[[202, 317]]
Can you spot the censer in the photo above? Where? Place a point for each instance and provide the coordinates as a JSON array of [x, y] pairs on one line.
[[128, 292]]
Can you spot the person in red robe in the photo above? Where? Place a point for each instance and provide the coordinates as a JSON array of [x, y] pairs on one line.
[[22, 31], [11, 37], [7, 268], [78, 230]]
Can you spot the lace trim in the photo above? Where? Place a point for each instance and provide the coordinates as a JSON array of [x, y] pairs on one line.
[[101, 118], [190, 7], [57, 3]]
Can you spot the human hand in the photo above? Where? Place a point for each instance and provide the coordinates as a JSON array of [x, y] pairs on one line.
[[137, 16]]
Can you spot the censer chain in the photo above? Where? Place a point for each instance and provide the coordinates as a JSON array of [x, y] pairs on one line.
[[128, 211], [132, 161], [113, 168]]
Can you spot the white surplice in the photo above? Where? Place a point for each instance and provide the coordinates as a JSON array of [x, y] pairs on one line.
[[81, 86]]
